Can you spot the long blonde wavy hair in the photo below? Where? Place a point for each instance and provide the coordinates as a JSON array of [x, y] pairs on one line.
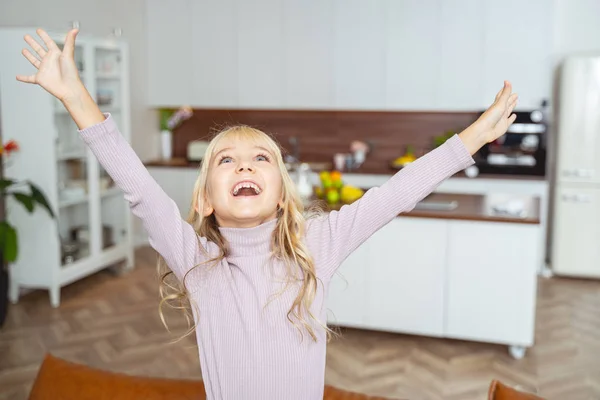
[[287, 243]]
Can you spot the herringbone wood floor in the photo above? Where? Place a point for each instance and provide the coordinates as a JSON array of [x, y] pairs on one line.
[[110, 321]]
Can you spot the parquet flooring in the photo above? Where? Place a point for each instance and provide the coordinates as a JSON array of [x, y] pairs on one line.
[[111, 321]]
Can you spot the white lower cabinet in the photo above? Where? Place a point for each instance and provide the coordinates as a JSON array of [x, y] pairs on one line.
[[405, 274], [491, 282], [468, 280]]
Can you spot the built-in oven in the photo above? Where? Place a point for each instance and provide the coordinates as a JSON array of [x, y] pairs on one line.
[[521, 151]]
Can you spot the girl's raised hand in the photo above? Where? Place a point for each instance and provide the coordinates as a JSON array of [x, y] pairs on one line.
[[56, 70], [494, 122]]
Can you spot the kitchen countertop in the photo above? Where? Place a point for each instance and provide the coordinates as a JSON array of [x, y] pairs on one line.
[[474, 207], [184, 163]]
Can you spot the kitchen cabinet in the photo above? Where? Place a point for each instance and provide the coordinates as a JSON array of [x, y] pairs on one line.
[[359, 54], [178, 184], [260, 47], [351, 54], [459, 62], [491, 282], [412, 54], [346, 305], [170, 52], [577, 253], [471, 280], [406, 276], [214, 79], [308, 54], [518, 49]]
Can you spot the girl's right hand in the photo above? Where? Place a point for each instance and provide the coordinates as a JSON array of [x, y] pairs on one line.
[[56, 70]]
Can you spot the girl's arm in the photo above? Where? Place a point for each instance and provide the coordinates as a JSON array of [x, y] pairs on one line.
[[169, 235], [334, 237]]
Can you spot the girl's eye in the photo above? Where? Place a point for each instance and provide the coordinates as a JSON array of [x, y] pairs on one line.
[[262, 157], [225, 159]]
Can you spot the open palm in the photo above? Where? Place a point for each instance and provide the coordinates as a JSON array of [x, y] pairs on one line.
[[56, 70], [494, 122]]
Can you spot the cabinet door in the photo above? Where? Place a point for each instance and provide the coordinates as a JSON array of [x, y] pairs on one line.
[[214, 53], [412, 54], [348, 290], [169, 52], [492, 281], [308, 54], [578, 139], [173, 182], [460, 63], [576, 232], [518, 49], [405, 275], [260, 53], [359, 51]]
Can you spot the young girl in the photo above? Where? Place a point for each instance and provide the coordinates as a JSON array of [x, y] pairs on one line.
[[256, 271]]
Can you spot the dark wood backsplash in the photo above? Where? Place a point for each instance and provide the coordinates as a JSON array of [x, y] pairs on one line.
[[321, 134]]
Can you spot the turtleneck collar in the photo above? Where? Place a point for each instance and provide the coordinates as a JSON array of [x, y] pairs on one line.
[[249, 241]]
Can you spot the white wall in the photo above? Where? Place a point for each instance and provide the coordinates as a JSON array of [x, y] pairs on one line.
[[98, 18]]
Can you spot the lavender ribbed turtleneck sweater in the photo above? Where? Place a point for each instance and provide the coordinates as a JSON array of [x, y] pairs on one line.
[[248, 348]]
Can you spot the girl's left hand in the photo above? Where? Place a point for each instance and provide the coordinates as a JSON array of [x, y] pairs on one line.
[[494, 122]]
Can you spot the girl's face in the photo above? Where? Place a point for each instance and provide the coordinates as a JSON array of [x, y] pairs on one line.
[[244, 184]]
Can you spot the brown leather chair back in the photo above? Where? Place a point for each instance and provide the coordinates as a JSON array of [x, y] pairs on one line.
[[63, 380], [58, 379], [499, 391]]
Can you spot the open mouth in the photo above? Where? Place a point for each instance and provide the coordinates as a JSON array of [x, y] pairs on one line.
[[246, 188]]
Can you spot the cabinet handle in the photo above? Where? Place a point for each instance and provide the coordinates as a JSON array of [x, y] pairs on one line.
[[582, 198]]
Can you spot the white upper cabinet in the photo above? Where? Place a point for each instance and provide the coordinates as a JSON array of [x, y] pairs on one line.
[[260, 53], [308, 54], [169, 52], [214, 53], [359, 54], [445, 55], [412, 54], [460, 62], [518, 48]]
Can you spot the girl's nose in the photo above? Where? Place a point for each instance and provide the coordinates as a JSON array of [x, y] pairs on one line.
[[245, 166]]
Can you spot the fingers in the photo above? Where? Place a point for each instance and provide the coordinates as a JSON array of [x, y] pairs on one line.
[[512, 119], [69, 48], [512, 102], [504, 93], [26, 78], [31, 58], [41, 52], [50, 44]]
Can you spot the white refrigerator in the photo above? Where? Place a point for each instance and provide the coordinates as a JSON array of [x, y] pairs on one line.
[[575, 219]]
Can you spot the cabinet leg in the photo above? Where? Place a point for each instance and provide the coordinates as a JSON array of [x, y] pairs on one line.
[[13, 291], [517, 352], [130, 262], [546, 272], [55, 296]]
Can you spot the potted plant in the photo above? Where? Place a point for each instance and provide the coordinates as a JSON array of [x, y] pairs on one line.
[[169, 120], [29, 196]]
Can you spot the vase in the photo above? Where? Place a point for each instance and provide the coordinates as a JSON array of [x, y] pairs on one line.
[[166, 144]]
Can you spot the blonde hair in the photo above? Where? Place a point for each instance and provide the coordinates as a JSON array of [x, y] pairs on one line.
[[287, 243]]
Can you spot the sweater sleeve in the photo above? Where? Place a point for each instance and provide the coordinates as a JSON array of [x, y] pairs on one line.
[[171, 236], [334, 236]]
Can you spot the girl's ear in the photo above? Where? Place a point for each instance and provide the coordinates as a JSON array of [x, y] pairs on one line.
[[207, 209]]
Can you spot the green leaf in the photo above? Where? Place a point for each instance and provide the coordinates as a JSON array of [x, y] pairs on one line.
[[39, 196], [4, 183], [8, 242], [24, 199]]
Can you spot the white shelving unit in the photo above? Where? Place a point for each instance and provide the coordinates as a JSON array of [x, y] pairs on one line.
[[93, 225]]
